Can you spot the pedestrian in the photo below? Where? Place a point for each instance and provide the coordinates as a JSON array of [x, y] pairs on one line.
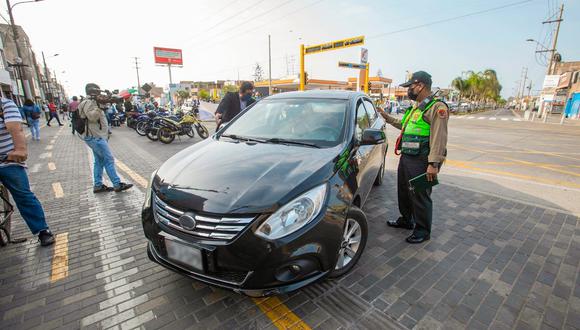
[[46, 111], [96, 137], [53, 113], [423, 147], [32, 113], [64, 111], [13, 155], [72, 107], [233, 103]]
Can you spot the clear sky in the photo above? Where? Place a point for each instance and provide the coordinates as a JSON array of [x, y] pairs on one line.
[[96, 39]]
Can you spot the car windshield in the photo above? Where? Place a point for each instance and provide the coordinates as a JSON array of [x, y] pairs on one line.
[[314, 121]]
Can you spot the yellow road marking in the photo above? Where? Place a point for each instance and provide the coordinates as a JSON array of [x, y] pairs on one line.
[[279, 314], [57, 188], [60, 258], [548, 167], [134, 175], [51, 166], [464, 165]]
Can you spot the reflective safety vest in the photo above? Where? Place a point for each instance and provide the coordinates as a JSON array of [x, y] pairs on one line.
[[415, 140]]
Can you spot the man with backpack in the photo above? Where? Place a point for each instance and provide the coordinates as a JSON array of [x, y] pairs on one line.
[[32, 113], [92, 123]]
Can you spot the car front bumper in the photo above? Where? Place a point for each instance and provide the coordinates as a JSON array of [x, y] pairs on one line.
[[249, 264]]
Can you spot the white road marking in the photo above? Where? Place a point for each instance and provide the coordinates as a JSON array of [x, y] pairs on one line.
[[480, 118], [505, 119], [492, 118]]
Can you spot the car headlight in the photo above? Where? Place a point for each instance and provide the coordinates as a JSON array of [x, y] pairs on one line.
[[293, 215], [148, 191]]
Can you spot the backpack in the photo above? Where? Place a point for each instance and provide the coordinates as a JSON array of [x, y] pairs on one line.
[[35, 114], [79, 124]]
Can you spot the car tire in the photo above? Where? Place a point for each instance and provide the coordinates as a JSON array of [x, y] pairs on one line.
[[380, 176], [354, 217]]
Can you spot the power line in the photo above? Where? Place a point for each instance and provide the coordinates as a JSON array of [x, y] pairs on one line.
[[252, 18], [449, 19], [228, 18], [267, 22]]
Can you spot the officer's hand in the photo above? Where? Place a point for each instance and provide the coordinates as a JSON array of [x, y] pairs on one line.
[[432, 172]]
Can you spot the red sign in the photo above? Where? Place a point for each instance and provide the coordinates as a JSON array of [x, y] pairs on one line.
[[167, 56]]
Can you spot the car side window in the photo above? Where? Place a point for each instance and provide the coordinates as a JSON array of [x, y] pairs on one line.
[[362, 120], [371, 111]]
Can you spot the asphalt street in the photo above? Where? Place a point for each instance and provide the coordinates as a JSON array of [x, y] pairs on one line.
[[504, 253]]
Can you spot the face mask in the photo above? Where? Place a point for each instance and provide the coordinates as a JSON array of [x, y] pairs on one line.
[[246, 97], [412, 95]]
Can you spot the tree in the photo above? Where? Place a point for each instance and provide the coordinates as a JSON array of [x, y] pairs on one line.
[[258, 72], [203, 94], [479, 87], [230, 88], [182, 96]]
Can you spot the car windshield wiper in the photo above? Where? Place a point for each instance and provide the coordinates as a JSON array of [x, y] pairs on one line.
[[282, 141], [242, 138]]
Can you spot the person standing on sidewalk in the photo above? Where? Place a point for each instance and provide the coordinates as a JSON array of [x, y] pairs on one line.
[[13, 154], [53, 113], [45, 110], [96, 137], [423, 150], [32, 113], [73, 107]]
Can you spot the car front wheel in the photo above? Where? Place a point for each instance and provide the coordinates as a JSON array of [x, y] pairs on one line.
[[354, 240]]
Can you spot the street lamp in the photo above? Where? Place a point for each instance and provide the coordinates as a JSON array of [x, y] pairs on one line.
[[15, 36]]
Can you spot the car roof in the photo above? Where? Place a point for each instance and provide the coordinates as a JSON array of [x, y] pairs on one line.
[[317, 94]]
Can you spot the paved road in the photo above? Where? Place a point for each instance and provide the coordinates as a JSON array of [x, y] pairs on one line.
[[504, 252]]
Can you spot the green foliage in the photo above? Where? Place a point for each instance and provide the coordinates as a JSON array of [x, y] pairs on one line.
[[479, 87], [229, 88], [203, 94]]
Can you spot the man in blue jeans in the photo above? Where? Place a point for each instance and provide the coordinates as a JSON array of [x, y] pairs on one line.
[[13, 154], [97, 136]]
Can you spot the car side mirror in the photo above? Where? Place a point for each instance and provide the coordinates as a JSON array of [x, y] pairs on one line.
[[372, 136]]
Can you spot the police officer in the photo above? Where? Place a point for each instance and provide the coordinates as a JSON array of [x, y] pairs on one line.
[[422, 145]]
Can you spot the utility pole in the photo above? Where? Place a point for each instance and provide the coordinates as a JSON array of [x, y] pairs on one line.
[[522, 91], [551, 69], [18, 53], [170, 83], [269, 66], [138, 80], [46, 77]]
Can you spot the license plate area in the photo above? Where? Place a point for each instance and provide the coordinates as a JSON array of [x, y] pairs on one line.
[[184, 254]]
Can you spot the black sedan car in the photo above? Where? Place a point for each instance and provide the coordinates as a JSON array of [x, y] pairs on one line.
[[272, 201]]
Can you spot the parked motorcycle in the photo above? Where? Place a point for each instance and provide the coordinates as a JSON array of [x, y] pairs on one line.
[[168, 128]]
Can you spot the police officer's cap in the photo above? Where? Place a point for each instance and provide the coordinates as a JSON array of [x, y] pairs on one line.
[[419, 76]]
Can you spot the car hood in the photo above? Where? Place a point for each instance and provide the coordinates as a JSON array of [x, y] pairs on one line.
[[223, 177]]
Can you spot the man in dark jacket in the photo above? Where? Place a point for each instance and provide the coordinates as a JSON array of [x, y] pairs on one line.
[[233, 103]]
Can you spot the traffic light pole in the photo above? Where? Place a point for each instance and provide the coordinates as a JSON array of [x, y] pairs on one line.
[[367, 82], [302, 76]]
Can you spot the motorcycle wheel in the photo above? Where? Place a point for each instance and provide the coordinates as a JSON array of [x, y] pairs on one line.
[[202, 131], [165, 135], [189, 131], [152, 133], [141, 128]]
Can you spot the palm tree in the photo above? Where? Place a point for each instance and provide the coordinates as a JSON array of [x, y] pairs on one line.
[[461, 85]]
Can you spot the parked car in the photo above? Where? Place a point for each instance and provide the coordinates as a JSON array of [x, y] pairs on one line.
[[272, 201]]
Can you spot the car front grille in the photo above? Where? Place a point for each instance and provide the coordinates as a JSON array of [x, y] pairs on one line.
[[221, 229]]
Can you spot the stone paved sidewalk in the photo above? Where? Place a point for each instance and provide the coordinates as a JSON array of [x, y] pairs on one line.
[[491, 263]]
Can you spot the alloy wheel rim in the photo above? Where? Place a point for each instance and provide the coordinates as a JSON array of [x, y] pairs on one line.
[[351, 238]]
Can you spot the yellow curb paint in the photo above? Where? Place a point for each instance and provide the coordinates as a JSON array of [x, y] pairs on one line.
[[279, 314], [138, 179], [60, 258], [57, 188], [51, 166]]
